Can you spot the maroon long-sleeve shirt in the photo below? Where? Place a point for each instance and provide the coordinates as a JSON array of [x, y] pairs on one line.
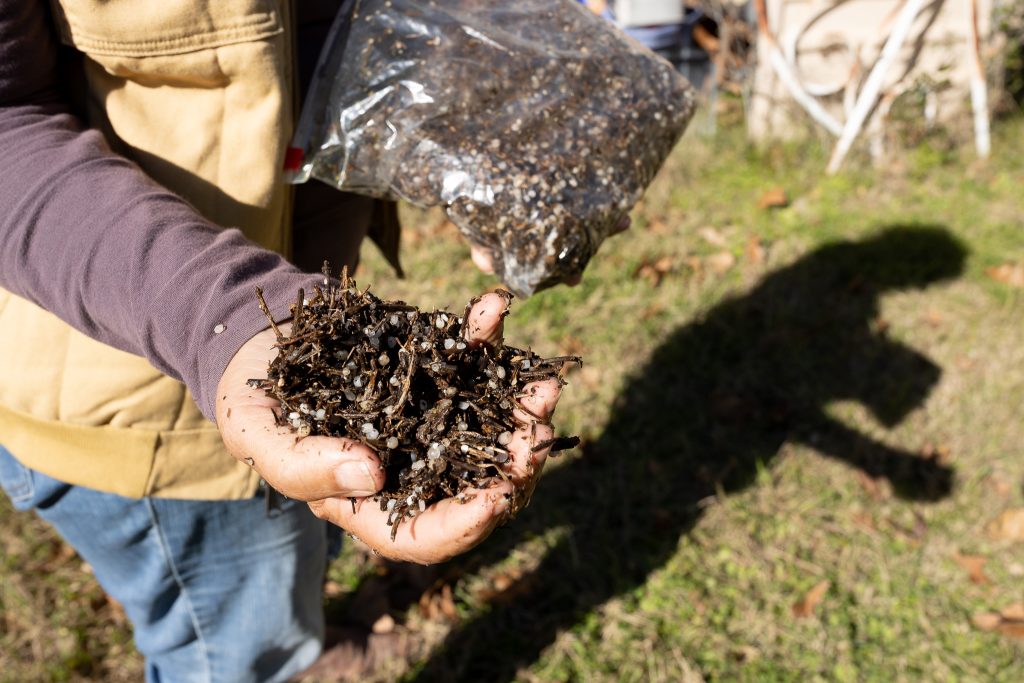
[[85, 234]]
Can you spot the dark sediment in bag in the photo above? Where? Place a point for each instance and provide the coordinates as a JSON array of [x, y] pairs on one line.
[[536, 125]]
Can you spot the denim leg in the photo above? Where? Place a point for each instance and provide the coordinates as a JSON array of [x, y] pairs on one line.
[[216, 590]]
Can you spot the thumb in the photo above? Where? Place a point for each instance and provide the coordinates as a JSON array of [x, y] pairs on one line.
[[307, 468], [485, 318]]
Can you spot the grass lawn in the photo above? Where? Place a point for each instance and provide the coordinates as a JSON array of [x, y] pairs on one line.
[[798, 424]]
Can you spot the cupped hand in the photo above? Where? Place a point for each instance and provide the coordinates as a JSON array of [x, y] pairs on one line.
[[328, 472]]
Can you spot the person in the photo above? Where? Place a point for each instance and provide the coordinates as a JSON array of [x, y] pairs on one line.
[[141, 204]]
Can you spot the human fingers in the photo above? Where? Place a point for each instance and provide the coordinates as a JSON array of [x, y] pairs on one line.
[[304, 468], [482, 258], [533, 414], [442, 531], [485, 318]]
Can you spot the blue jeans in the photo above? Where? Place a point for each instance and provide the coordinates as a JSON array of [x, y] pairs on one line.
[[216, 590]]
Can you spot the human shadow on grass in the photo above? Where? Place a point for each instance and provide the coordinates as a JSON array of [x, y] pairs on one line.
[[715, 403]]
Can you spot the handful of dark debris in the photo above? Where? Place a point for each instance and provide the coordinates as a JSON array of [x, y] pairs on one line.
[[437, 410]]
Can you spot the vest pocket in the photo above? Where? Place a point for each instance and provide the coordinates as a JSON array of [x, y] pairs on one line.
[[142, 28]]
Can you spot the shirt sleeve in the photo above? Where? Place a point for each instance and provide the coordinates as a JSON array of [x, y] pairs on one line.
[[86, 235]]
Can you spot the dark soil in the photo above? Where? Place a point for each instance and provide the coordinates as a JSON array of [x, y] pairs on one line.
[[436, 409]]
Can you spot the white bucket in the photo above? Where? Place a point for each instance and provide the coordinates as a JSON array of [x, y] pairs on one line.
[[648, 12]]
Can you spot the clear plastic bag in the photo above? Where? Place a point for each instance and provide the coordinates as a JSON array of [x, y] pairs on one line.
[[536, 124]]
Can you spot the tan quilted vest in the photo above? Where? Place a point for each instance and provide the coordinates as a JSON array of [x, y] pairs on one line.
[[199, 94]]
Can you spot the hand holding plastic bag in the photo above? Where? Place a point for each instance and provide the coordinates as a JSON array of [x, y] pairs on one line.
[[535, 124]]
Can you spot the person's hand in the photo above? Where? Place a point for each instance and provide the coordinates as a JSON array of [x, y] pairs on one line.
[[327, 472], [484, 261]]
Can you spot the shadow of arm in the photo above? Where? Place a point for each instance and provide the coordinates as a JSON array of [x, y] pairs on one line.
[[913, 476]]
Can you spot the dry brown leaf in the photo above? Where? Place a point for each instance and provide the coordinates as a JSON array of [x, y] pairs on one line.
[[1014, 611], [712, 236], [975, 567], [657, 226], [721, 262], [439, 602], [1009, 621], [1008, 526], [429, 609], [572, 346], [864, 520], [987, 621], [447, 603], [755, 251], [933, 317], [385, 624], [508, 587], [999, 485], [1011, 274], [870, 485], [590, 377], [805, 606], [502, 582], [695, 264], [655, 270], [652, 310], [774, 198], [745, 653], [940, 453], [442, 226], [1012, 628]]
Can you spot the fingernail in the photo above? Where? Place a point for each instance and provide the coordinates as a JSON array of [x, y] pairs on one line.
[[501, 506], [356, 479]]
